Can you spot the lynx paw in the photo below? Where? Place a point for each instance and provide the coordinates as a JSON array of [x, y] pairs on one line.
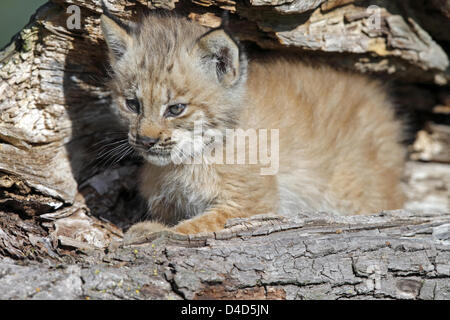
[[143, 232]]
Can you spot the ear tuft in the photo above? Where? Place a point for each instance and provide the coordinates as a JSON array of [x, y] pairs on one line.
[[219, 55], [116, 35]]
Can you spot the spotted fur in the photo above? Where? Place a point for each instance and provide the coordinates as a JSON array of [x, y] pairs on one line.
[[339, 147]]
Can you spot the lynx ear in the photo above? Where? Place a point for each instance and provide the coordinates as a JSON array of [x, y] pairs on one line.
[[219, 55], [117, 36]]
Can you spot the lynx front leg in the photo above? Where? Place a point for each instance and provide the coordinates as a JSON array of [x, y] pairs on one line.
[[210, 221], [244, 193]]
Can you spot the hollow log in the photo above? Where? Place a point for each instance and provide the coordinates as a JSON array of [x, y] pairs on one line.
[[65, 199]]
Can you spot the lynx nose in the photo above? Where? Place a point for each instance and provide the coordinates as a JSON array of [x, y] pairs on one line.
[[146, 141]]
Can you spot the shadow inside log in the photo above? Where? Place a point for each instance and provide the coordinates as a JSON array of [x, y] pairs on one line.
[[102, 162]]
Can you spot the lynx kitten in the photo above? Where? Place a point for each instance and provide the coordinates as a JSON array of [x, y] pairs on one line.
[[336, 142]]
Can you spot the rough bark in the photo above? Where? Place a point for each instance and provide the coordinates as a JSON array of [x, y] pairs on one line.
[[396, 255], [63, 191]]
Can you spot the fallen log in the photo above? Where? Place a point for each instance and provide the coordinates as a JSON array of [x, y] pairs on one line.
[[64, 204]]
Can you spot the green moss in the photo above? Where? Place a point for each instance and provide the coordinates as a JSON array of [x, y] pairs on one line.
[[29, 38]]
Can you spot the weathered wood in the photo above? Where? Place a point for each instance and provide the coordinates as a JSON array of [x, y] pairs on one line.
[[61, 191], [427, 186], [432, 144], [395, 255], [52, 93]]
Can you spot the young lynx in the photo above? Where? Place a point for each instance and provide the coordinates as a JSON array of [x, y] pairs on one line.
[[335, 137]]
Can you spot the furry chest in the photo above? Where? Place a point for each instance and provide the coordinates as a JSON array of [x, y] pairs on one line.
[[181, 195]]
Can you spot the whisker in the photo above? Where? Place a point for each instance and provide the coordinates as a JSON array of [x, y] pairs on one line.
[[182, 152], [123, 152], [112, 151], [110, 143], [127, 152]]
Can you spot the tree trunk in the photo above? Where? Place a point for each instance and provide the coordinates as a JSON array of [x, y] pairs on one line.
[[395, 255], [65, 190]]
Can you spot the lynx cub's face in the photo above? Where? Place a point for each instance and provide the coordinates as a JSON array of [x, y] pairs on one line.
[[170, 75]]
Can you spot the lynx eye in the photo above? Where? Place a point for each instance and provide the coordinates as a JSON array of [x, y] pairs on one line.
[[133, 105], [175, 110]]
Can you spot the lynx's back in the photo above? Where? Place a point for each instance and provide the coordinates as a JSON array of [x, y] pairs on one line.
[[339, 141]]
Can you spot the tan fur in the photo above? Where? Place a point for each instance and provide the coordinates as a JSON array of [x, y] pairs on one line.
[[339, 147]]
